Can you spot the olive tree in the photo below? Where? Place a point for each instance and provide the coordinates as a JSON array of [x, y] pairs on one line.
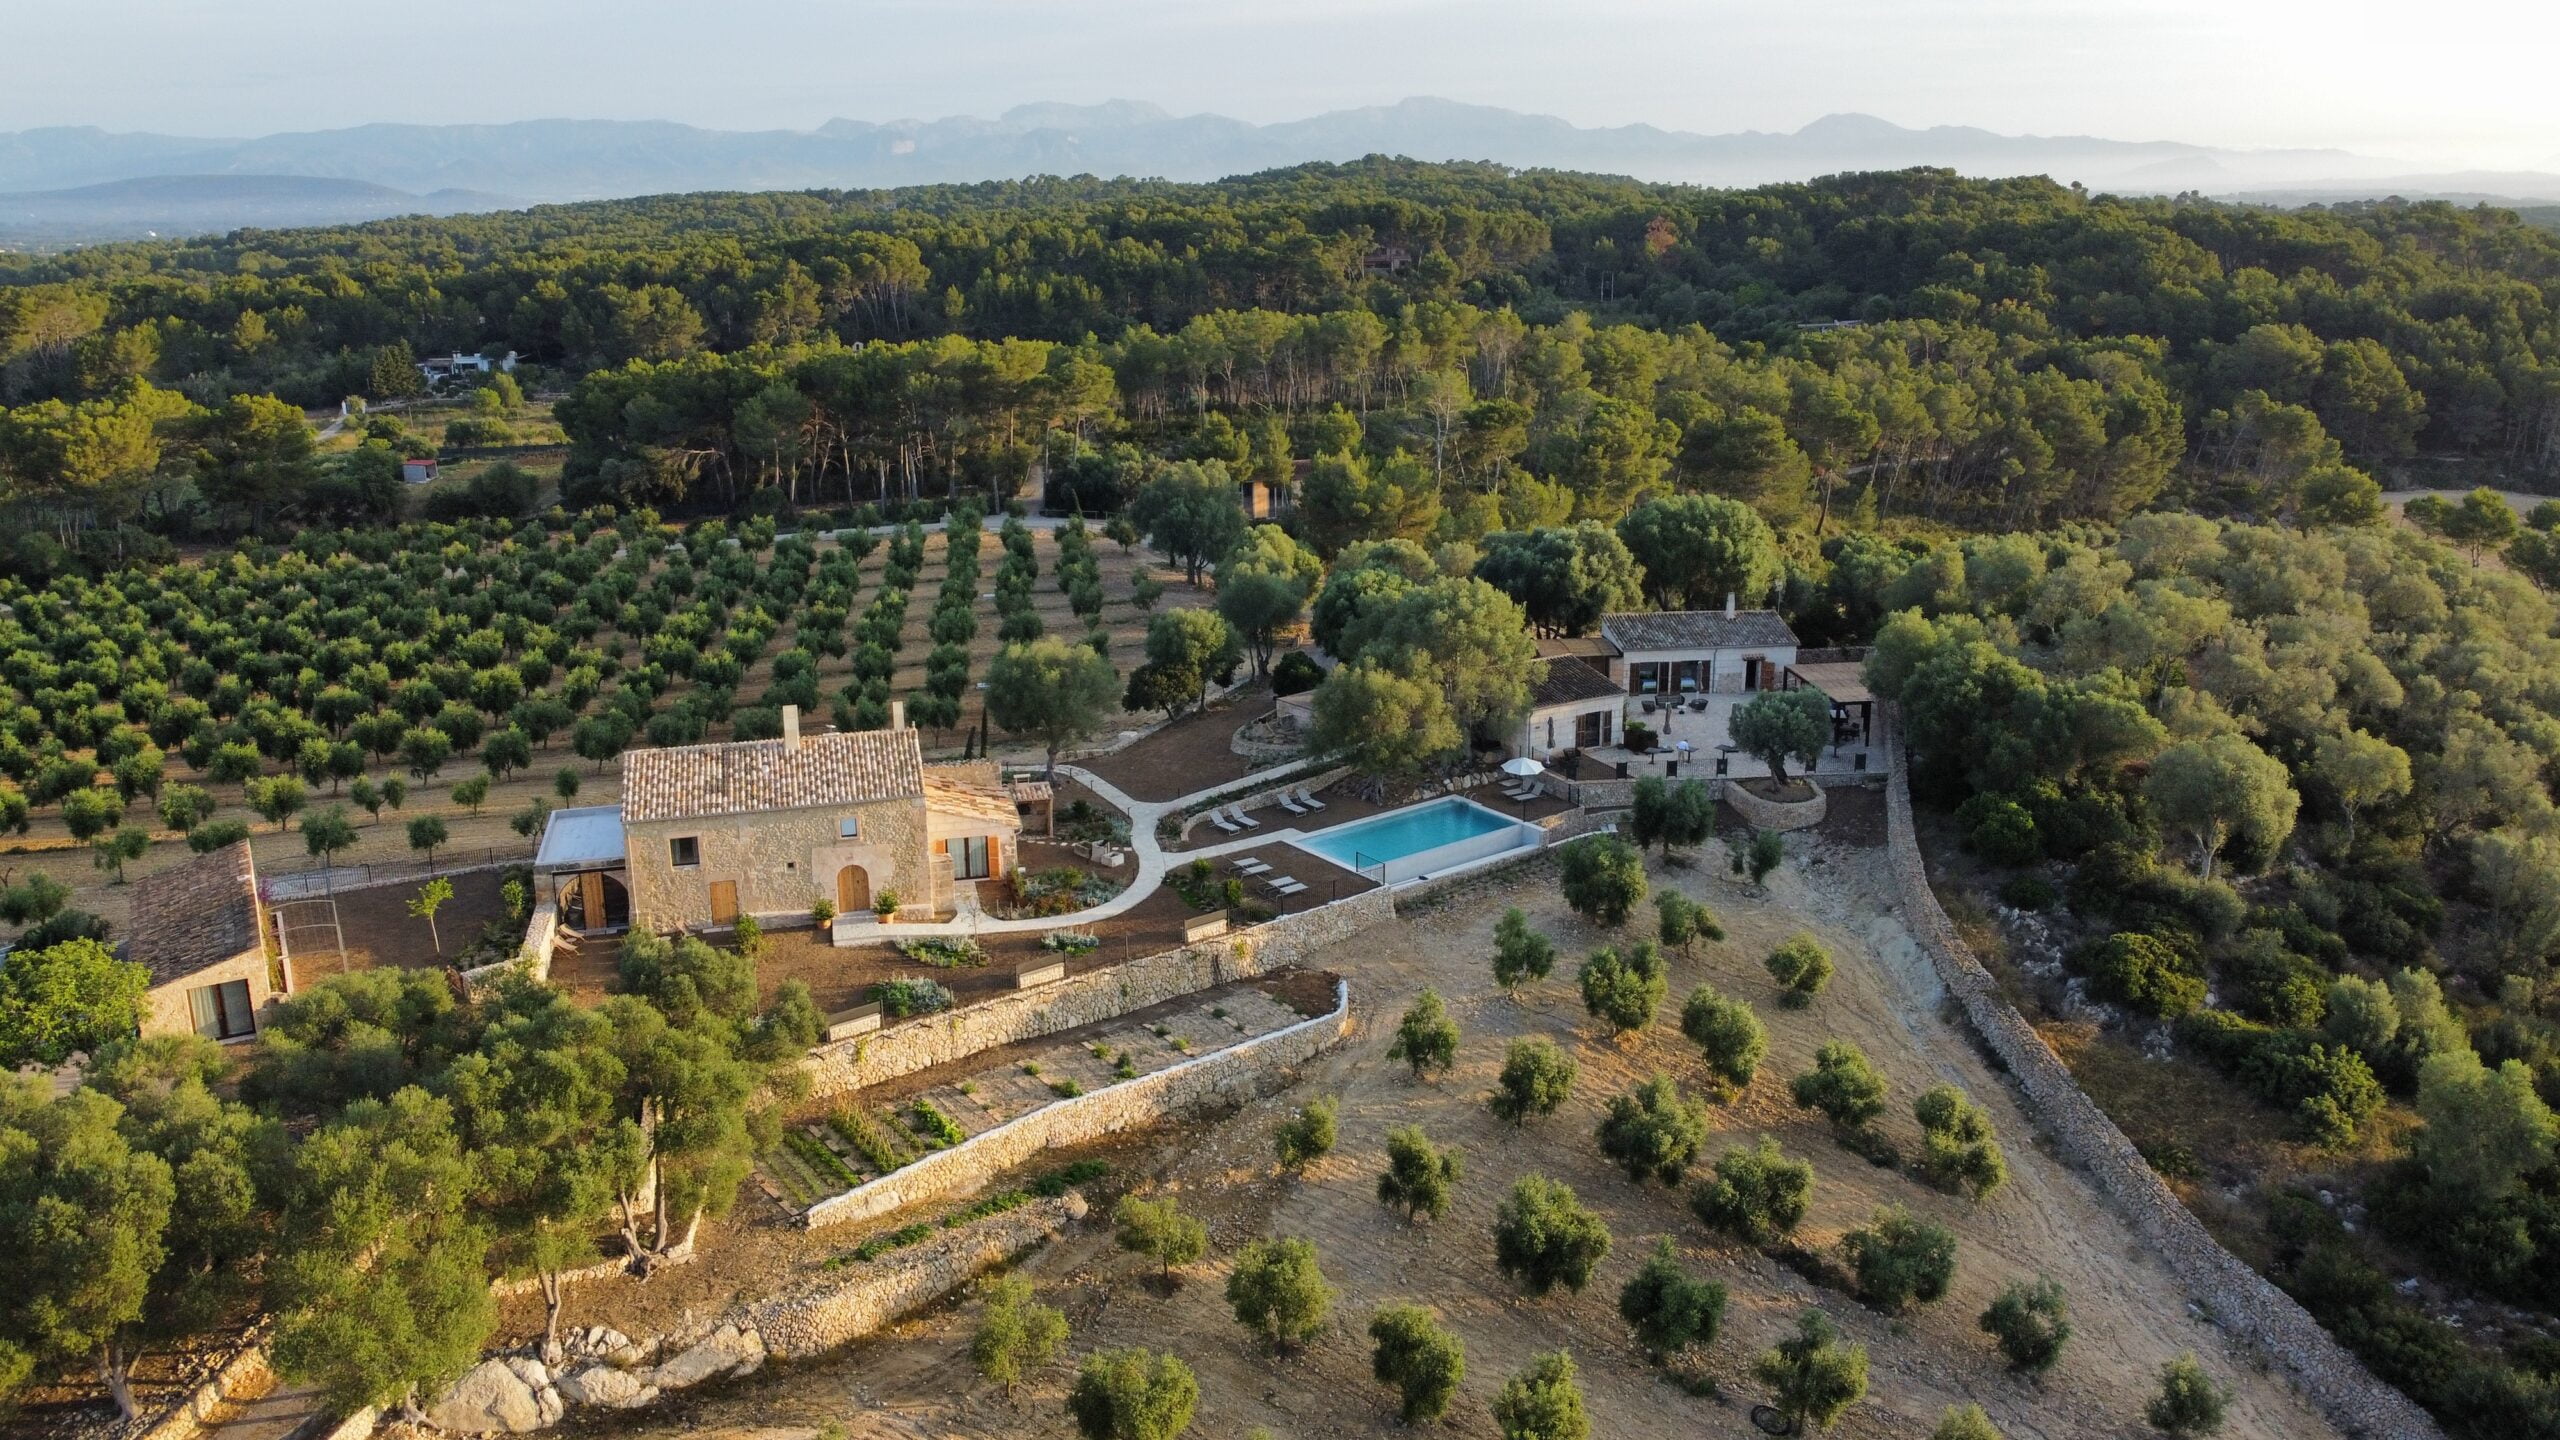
[[1757, 1193], [1424, 1361]]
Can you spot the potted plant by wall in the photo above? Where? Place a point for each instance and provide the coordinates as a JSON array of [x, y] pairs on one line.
[[885, 904]]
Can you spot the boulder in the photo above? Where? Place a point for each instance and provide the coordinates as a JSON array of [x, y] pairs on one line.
[[491, 1396], [727, 1351], [606, 1386]]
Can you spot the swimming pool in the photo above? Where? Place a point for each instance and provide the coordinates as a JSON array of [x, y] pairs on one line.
[[1418, 839]]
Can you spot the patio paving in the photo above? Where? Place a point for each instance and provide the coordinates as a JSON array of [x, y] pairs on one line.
[[1707, 731]]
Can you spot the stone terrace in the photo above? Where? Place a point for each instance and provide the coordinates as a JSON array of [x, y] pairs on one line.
[[988, 1089]]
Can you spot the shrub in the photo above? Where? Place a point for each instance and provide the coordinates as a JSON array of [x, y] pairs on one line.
[[1653, 1131], [1420, 1176], [1685, 922], [1132, 1395], [1542, 1402], [1960, 1150], [2029, 893], [1278, 1291], [1295, 673], [2032, 1322], [1842, 1085], [1900, 1259], [1727, 1032], [1543, 1237], [1668, 1308], [1426, 1038], [2330, 1089], [1309, 1135], [1965, 1422], [1623, 993], [1603, 878], [1520, 954], [1160, 1231], [1015, 1335], [901, 998], [1423, 1361], [1999, 829], [1813, 1375], [1536, 1077], [2189, 1402], [1802, 967], [2143, 972], [1757, 1195], [1757, 853]]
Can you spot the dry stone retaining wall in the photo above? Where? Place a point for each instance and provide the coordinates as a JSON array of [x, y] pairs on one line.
[[244, 1374], [1235, 1073], [2238, 1298], [1095, 996], [1778, 814]]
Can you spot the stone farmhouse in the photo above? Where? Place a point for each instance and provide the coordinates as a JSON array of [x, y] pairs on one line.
[[768, 828], [200, 929], [1691, 652]]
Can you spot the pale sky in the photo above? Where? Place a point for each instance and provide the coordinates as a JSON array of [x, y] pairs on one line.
[[2444, 83]]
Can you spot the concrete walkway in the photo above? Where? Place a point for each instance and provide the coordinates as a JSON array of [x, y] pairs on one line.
[[1145, 852]]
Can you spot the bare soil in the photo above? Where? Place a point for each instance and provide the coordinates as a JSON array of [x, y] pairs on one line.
[[1190, 755], [2129, 1314]]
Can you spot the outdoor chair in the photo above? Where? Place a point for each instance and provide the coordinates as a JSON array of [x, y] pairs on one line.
[[1291, 805], [1219, 818], [1242, 819], [1308, 798], [1252, 867], [1285, 884]]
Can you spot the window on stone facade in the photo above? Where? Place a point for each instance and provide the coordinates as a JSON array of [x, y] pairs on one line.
[[221, 1012], [849, 828], [969, 858], [684, 850]]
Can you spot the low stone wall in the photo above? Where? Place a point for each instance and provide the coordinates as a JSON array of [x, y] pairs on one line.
[[830, 1312], [1092, 997], [244, 1374], [541, 938], [2238, 1298], [1778, 814], [513, 1394], [1235, 1073]]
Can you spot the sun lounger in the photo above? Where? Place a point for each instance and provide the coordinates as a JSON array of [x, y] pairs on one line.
[[1308, 798], [1219, 819], [1287, 885], [1291, 805], [1252, 867], [1237, 812]]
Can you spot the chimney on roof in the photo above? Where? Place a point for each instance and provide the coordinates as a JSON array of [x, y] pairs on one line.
[[790, 729], [897, 714], [1728, 604]]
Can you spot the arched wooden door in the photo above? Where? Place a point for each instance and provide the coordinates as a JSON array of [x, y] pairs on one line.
[[853, 890]]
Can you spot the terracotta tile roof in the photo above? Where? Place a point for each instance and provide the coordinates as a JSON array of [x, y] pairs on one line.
[[1582, 647], [196, 914], [747, 776], [1694, 629], [955, 795], [1571, 682]]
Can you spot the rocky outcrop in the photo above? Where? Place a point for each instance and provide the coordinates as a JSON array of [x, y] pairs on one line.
[[508, 1395]]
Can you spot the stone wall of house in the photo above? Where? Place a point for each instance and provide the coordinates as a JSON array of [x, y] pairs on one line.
[[1092, 997], [783, 861], [2238, 1298], [169, 1010], [1236, 1073]]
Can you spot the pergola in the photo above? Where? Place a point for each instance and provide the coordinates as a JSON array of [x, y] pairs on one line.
[[1844, 684]]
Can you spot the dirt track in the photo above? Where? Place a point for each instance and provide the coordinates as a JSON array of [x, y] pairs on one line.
[[2128, 1315]]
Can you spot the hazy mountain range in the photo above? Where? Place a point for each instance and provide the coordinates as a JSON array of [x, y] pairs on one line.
[[82, 183]]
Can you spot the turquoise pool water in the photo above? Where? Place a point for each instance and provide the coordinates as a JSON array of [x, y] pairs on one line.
[[1384, 839]]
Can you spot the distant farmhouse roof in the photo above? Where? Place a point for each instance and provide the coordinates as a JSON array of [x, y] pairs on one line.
[[747, 776], [1587, 647], [196, 914], [1570, 682], [1695, 630], [953, 795]]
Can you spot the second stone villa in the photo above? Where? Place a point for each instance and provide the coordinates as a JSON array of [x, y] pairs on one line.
[[769, 828]]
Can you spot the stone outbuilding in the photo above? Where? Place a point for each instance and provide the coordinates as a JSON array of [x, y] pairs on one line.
[[200, 928]]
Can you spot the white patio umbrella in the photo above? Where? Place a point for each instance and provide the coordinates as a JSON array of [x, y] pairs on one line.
[[1523, 767]]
